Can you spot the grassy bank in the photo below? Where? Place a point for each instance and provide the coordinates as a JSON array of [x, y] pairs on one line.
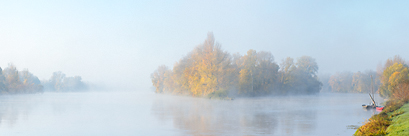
[[400, 123], [392, 121]]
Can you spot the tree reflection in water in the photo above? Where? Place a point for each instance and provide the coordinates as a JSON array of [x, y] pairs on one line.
[[14, 107], [197, 116], [19, 107]]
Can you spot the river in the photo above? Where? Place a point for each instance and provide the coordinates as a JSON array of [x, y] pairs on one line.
[[146, 113]]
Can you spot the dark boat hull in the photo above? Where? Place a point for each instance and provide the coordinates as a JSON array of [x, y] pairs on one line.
[[368, 106]]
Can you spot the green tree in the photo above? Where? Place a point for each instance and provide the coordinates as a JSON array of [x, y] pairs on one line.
[[307, 79], [307, 65], [57, 81], [73, 84], [324, 79], [287, 76], [258, 73], [360, 82], [158, 78], [265, 74], [61, 83], [3, 87]]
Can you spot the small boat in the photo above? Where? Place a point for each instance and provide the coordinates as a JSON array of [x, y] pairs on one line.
[[379, 107], [373, 104], [368, 106]]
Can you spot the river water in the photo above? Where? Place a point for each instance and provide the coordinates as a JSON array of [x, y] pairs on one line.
[[146, 113]]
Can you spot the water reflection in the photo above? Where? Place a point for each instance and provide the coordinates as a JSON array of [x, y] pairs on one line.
[[20, 107], [197, 116], [13, 108], [139, 113]]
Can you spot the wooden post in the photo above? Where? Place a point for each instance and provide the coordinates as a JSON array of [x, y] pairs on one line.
[[373, 101]]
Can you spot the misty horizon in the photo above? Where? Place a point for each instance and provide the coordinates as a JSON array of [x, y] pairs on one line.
[[203, 67], [118, 44]]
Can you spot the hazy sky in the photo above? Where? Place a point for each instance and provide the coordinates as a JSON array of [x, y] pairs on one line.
[[120, 43]]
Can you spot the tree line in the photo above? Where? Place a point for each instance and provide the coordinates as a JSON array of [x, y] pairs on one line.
[[208, 71], [391, 80], [59, 82], [13, 81], [349, 82]]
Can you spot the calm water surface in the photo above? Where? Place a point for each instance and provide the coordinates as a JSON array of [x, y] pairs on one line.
[[146, 113]]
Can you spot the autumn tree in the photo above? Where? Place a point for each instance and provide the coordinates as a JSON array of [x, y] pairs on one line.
[[341, 82], [247, 66], [287, 74], [392, 61], [401, 92], [30, 83], [245, 82], [392, 76], [209, 70], [203, 71], [179, 76], [363, 83], [12, 79], [358, 82]]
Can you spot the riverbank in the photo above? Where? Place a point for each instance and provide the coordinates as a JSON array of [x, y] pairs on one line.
[[392, 121]]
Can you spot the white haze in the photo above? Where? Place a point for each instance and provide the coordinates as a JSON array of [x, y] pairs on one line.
[[119, 44]]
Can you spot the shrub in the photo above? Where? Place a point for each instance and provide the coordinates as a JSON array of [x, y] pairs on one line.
[[401, 92], [376, 126], [393, 105]]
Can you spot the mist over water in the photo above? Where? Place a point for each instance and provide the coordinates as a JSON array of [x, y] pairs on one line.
[[114, 46], [146, 113], [91, 113]]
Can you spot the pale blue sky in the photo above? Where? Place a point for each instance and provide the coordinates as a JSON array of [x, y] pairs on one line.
[[119, 44]]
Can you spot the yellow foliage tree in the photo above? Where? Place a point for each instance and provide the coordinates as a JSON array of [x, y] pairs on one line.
[[393, 76], [244, 81], [210, 71]]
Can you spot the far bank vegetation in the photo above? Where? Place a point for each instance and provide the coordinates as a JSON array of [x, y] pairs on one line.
[[210, 71], [59, 82], [349, 82], [13, 81]]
